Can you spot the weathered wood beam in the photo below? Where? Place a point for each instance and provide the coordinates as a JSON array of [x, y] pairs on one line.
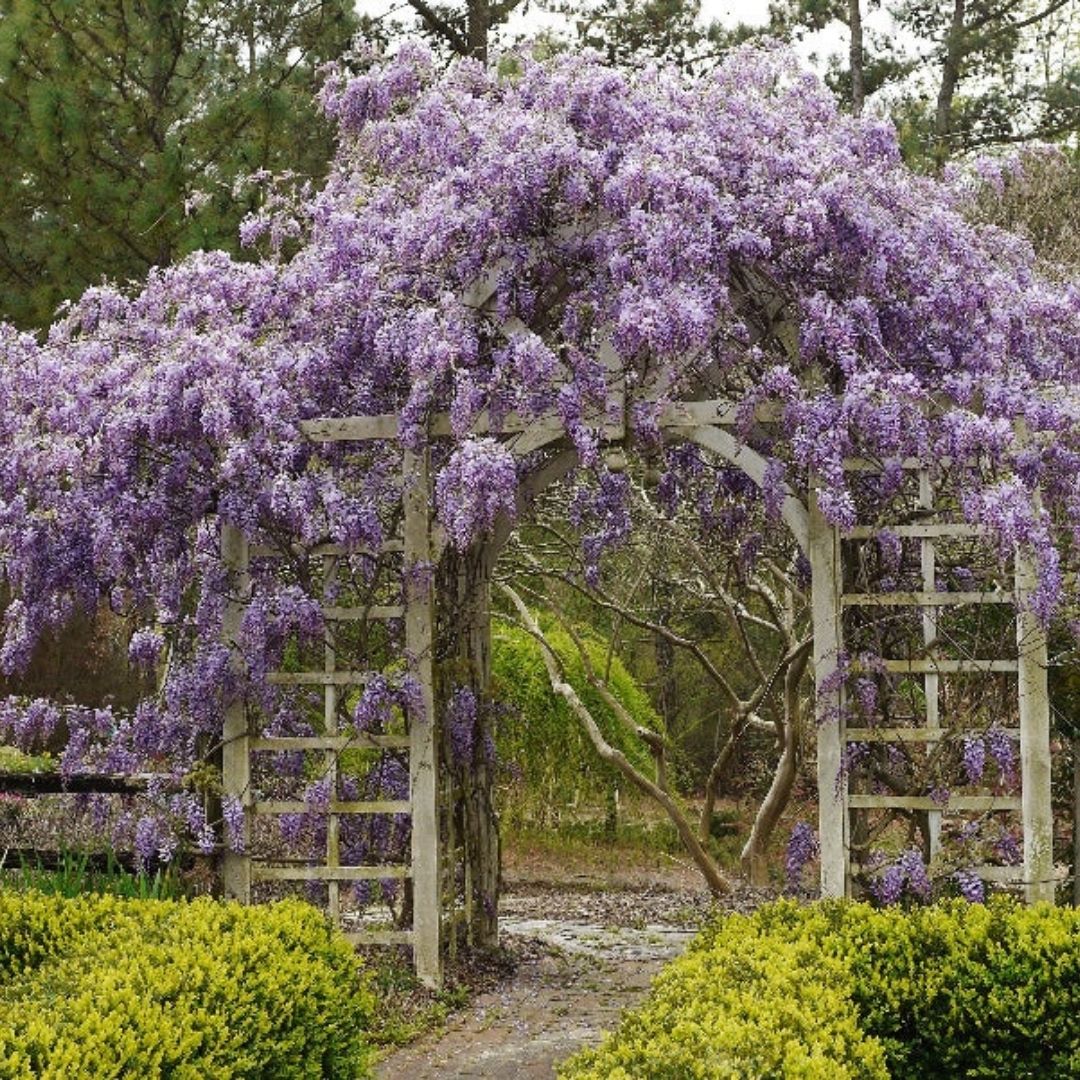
[[236, 749], [674, 416], [981, 803], [925, 599], [308, 872], [423, 754], [908, 735], [826, 583], [359, 740], [335, 806]]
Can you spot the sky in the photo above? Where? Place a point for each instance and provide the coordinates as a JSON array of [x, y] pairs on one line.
[[815, 49], [728, 12]]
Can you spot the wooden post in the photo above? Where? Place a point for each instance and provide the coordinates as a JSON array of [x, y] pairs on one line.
[[826, 586], [480, 823], [931, 684], [330, 725], [423, 764], [1034, 741], [1076, 820], [236, 734]]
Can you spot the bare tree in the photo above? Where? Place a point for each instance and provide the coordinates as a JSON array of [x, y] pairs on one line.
[[715, 879], [756, 663]]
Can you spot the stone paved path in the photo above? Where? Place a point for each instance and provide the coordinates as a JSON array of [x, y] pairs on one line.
[[563, 996]]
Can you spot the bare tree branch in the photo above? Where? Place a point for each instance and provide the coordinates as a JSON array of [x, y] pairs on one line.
[[438, 25], [717, 882]]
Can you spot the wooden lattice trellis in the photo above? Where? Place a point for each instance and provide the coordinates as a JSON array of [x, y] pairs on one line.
[[241, 869], [833, 600]]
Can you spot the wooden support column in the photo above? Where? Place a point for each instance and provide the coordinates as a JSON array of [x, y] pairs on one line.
[[236, 733], [1076, 821], [931, 680], [1034, 741], [827, 580], [330, 725], [480, 826], [423, 761]]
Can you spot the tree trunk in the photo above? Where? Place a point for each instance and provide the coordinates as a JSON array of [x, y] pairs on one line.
[[465, 661], [667, 684], [717, 773], [950, 80], [775, 802], [479, 25], [858, 89]]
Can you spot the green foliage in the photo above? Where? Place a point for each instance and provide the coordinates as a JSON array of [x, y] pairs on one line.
[[76, 875], [541, 736], [106, 987], [967, 990], [840, 989], [635, 32], [113, 115], [13, 760], [742, 1003]]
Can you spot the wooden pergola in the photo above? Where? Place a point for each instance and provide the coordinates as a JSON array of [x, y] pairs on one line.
[[710, 425], [454, 867]]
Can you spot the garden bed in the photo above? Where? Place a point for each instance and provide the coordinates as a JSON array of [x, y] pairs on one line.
[[838, 990]]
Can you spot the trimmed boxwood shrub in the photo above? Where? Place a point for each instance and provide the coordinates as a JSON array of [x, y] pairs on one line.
[[968, 990], [843, 990], [741, 1003], [105, 987]]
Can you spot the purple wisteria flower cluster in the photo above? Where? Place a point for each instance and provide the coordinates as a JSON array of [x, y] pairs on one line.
[[802, 850], [906, 876], [476, 485], [575, 242]]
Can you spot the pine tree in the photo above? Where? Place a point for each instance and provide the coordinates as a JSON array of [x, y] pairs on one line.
[[124, 124]]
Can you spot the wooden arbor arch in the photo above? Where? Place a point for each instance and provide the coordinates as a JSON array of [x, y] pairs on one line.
[[710, 425], [454, 830]]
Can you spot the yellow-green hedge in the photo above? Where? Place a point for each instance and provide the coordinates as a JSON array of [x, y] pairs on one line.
[[102, 987], [838, 990]]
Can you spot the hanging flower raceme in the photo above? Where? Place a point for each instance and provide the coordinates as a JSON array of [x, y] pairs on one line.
[[477, 484]]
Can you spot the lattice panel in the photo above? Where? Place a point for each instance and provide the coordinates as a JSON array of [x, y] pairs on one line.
[[342, 619], [956, 631]]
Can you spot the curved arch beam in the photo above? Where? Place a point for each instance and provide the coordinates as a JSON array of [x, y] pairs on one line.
[[725, 445], [714, 439], [539, 435]]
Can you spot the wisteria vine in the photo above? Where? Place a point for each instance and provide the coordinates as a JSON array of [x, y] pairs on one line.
[[640, 239]]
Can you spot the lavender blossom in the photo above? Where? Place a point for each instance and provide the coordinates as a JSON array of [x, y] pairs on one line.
[[974, 758], [462, 712], [971, 886], [1002, 749], [145, 647], [906, 875], [475, 487], [802, 849], [233, 815]]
